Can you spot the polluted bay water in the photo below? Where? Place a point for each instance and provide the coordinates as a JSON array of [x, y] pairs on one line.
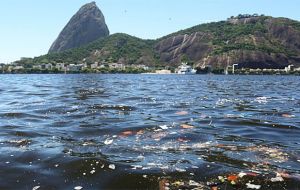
[[149, 132]]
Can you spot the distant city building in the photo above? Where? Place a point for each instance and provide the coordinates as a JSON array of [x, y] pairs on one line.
[[60, 66], [39, 67], [47, 66], [117, 66], [74, 68], [142, 67], [95, 65], [163, 71]]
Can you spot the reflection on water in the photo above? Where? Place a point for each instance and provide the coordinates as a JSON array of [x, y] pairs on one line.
[[149, 131]]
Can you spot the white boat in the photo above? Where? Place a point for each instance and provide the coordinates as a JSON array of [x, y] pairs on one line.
[[185, 69]]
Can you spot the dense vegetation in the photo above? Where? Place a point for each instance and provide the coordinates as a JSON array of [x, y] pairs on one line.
[[110, 49], [222, 37]]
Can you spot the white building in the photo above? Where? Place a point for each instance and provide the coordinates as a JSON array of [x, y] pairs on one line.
[[47, 66], [37, 67], [142, 67], [95, 65], [60, 66], [74, 68], [116, 66]]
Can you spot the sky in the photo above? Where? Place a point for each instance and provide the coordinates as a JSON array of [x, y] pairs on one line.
[[29, 27]]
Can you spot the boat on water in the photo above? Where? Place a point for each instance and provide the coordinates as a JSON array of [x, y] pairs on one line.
[[185, 69]]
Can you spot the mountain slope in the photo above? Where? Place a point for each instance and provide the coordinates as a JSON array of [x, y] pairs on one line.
[[253, 42], [121, 48], [87, 25], [250, 41]]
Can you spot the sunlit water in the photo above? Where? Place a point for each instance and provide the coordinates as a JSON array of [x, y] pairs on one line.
[[134, 131]]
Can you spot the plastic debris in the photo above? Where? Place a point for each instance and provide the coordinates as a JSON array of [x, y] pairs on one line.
[[278, 178], [182, 140], [182, 113], [126, 133], [232, 178], [140, 132], [253, 186], [221, 178], [93, 171], [193, 183], [185, 126], [108, 141], [36, 187], [164, 127], [288, 115], [242, 174], [261, 100], [112, 166], [180, 170], [78, 188]]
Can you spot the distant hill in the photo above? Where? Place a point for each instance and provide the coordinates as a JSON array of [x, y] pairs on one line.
[[248, 40], [86, 26]]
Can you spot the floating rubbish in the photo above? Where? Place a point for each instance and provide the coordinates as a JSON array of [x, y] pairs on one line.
[[278, 178], [88, 143], [36, 187], [182, 113], [270, 154], [261, 100], [185, 126], [108, 141], [180, 170], [242, 174], [78, 188], [112, 166], [178, 183], [221, 178], [159, 136], [287, 115], [134, 167], [164, 127], [140, 132], [232, 178], [126, 133], [253, 186], [182, 140], [193, 183], [140, 157], [21, 142], [93, 171]]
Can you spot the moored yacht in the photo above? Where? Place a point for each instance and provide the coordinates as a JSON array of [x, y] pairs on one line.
[[185, 69]]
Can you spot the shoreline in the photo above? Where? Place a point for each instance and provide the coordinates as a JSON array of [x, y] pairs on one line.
[[240, 74]]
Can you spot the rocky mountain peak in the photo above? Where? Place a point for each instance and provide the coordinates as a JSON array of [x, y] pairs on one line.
[[87, 25]]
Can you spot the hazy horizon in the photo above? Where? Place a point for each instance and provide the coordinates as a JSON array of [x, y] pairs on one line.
[[30, 27]]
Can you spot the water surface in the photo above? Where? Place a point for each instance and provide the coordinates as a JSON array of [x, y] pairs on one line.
[[149, 131]]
